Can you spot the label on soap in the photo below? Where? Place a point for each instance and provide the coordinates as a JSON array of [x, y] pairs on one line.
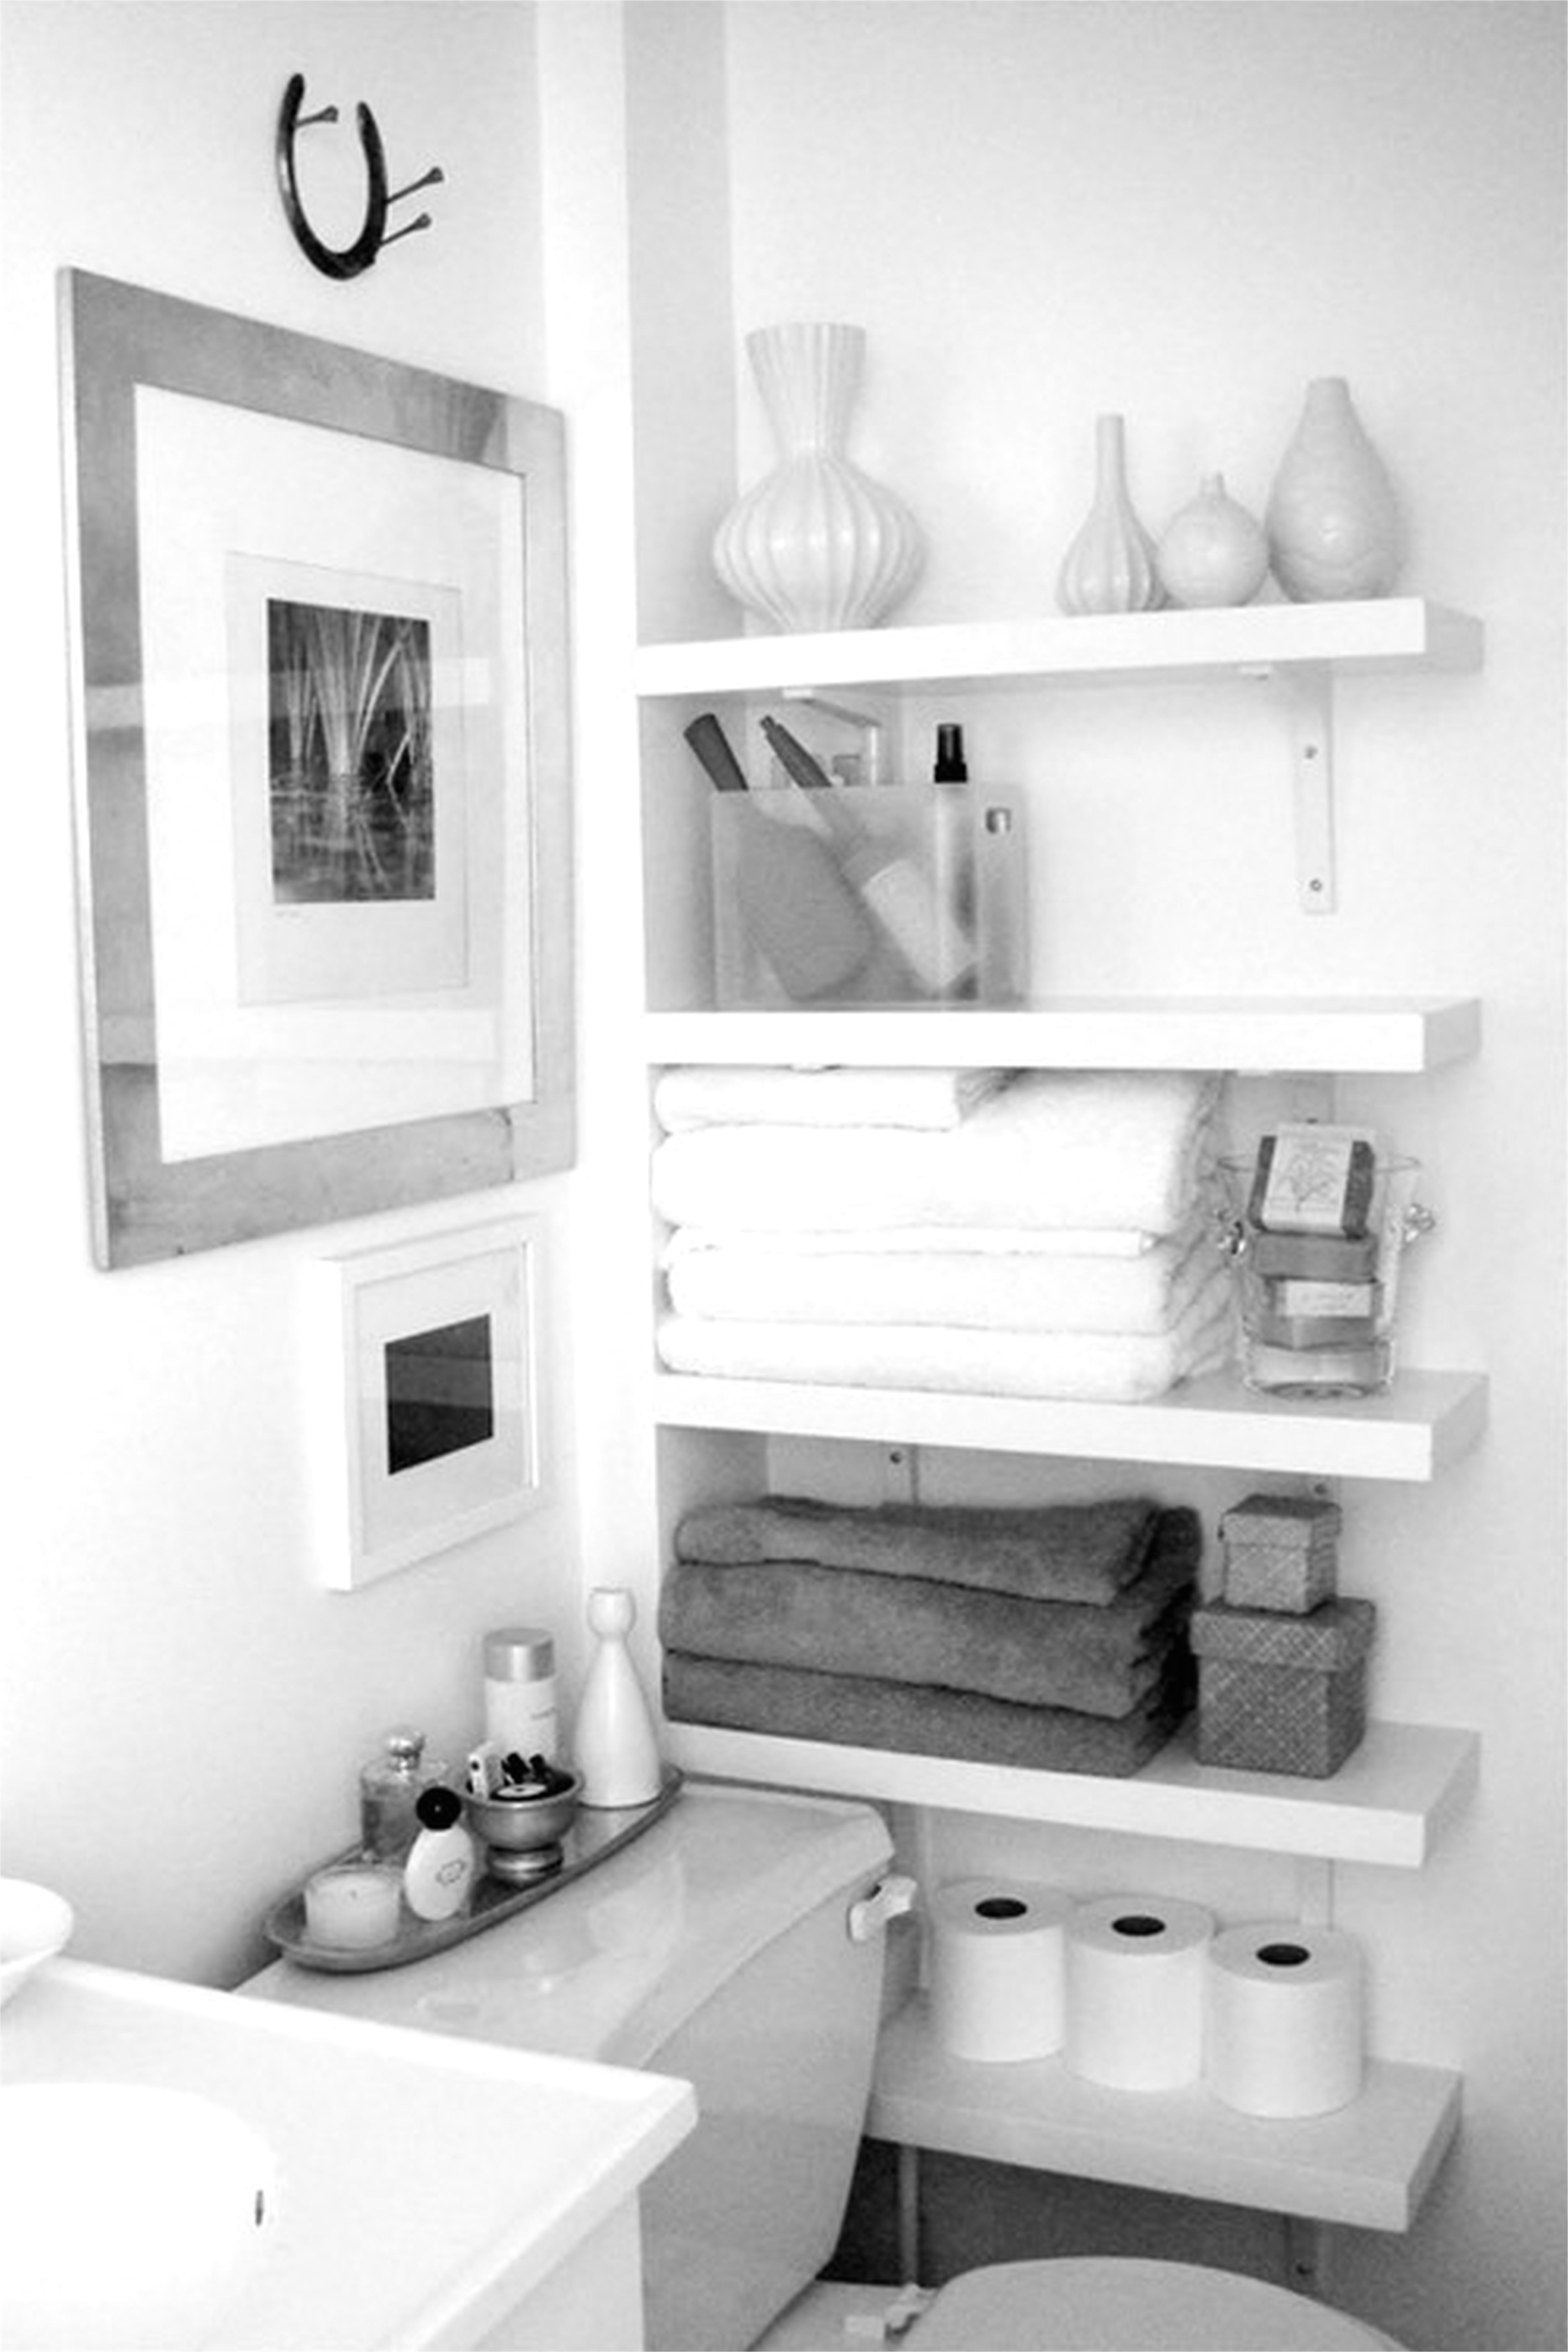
[[1313, 1180], [1326, 1299]]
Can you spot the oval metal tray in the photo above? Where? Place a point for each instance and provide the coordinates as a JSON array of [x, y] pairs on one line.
[[596, 1833]]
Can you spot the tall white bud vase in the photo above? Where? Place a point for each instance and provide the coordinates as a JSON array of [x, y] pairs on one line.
[[1110, 567], [1332, 519], [615, 1747], [817, 544]]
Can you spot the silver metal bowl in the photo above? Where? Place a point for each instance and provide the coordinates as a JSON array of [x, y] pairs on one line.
[[523, 1824]]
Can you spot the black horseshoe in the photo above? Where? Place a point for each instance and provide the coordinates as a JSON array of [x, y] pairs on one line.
[[348, 260]]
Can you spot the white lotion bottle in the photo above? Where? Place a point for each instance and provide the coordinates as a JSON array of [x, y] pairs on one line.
[[519, 1691], [614, 1746], [439, 1874]]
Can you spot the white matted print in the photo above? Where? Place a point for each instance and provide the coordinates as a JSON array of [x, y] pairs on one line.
[[425, 1415], [338, 622]]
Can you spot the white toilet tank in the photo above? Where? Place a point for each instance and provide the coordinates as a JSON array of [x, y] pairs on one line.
[[715, 1947]]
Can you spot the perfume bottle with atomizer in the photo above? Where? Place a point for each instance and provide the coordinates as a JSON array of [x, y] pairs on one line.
[[389, 1788]]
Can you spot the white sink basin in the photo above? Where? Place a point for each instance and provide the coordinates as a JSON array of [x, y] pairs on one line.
[[34, 1925], [431, 2192], [130, 2215]]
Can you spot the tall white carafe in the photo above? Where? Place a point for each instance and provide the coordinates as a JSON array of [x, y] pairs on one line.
[[615, 1747]]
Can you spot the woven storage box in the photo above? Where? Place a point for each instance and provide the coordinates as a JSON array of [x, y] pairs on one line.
[[1282, 1694], [1281, 1552]]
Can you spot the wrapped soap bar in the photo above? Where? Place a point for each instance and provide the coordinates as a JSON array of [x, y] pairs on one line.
[[1314, 1257], [1297, 1314], [1313, 1180], [1299, 1331]]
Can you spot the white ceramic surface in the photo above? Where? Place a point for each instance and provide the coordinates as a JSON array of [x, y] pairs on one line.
[[34, 1925], [130, 2215], [816, 543], [428, 2190]]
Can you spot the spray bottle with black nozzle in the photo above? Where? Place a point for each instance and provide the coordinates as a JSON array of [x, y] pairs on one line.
[[952, 864]]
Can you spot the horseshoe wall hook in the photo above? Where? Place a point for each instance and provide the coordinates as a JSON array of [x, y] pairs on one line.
[[344, 261]]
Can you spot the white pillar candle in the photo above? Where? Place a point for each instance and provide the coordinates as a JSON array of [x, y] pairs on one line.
[[351, 1907]]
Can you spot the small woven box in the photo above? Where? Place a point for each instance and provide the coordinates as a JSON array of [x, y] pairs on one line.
[[1281, 1552], [1282, 1694]]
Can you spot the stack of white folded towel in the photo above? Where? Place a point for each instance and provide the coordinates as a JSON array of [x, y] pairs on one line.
[[1040, 1234]]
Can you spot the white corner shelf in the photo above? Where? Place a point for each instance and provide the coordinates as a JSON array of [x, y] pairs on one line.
[[1389, 1034], [1370, 2163], [1426, 1420], [1388, 633], [1388, 1804]]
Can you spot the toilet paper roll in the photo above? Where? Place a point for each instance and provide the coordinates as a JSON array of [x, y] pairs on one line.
[[999, 1969], [1285, 2027], [1135, 1991]]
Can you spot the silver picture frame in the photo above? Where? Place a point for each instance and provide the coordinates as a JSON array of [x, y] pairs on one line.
[[314, 987]]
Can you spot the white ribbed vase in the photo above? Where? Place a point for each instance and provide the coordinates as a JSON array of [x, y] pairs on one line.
[[817, 544], [1110, 567], [1332, 519]]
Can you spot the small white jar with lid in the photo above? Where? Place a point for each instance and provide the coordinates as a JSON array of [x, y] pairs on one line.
[[520, 1692]]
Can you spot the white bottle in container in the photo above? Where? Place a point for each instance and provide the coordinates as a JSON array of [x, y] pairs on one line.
[[1002, 903], [520, 1692], [614, 1746]]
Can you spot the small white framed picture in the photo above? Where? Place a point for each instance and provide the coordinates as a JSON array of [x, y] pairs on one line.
[[426, 1400]]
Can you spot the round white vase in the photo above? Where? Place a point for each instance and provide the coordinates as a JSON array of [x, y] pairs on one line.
[[817, 544], [1213, 551], [1109, 566], [1332, 519]]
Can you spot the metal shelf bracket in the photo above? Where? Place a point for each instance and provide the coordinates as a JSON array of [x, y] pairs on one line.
[[1309, 688]]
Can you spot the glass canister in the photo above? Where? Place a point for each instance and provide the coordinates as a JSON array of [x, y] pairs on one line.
[[1318, 1310], [389, 1789]]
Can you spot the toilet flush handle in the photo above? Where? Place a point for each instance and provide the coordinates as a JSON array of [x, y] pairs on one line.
[[890, 1898]]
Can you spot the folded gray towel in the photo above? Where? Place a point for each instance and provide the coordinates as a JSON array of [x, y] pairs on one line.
[[1059, 1551], [908, 1629], [860, 1711]]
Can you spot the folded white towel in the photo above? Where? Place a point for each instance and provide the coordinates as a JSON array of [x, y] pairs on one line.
[[1097, 1367], [701, 1096], [912, 1241], [1080, 1147], [969, 1290]]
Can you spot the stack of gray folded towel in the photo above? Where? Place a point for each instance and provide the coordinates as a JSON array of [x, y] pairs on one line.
[[1053, 1637]]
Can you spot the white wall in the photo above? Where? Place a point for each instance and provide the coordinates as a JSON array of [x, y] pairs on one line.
[[185, 1706], [1181, 212], [1037, 211]]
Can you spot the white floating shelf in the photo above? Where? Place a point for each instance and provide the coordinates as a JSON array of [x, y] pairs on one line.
[[1387, 1804], [1382, 1034], [1426, 1420], [1398, 632], [1370, 2163]]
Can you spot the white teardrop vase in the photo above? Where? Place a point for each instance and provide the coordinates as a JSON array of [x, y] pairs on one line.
[[1109, 566], [1213, 551], [817, 544], [1332, 519], [615, 1747]]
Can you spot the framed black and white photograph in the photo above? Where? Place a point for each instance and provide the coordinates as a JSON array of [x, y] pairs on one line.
[[320, 621], [424, 1422]]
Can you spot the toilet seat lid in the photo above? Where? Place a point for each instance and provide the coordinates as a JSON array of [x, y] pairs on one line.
[[1128, 2306]]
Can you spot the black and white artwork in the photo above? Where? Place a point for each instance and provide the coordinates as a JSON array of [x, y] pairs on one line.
[[351, 772]]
